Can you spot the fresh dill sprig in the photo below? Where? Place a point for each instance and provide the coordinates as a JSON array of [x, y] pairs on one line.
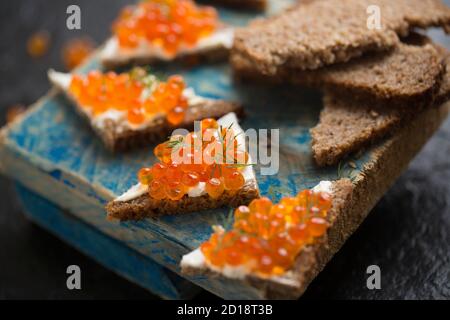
[[175, 143]]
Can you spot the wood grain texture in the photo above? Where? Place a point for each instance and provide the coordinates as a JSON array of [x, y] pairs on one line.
[[103, 249]]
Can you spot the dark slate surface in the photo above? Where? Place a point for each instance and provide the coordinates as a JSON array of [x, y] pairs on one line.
[[407, 234]]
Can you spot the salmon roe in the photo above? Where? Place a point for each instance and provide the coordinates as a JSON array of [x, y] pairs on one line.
[[168, 24], [266, 238], [76, 51], [38, 44], [137, 93], [187, 161], [14, 111]]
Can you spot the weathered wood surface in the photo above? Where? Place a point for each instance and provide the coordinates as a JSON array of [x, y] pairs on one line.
[[115, 255], [54, 153]]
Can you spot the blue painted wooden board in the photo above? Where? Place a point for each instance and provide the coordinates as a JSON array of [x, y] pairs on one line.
[[111, 253], [54, 153]]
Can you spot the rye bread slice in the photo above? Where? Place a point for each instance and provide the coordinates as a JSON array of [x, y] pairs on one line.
[[347, 124], [112, 57], [137, 203], [408, 72], [118, 138], [145, 206], [290, 283], [318, 33], [160, 129]]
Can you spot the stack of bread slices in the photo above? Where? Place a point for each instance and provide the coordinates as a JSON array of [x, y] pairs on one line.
[[375, 80]]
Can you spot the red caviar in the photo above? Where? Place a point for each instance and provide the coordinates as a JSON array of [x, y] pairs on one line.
[[169, 24], [76, 51], [266, 238], [38, 44], [14, 111], [179, 168], [137, 93]]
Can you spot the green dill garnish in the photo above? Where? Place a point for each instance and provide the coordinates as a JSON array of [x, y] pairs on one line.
[[175, 143]]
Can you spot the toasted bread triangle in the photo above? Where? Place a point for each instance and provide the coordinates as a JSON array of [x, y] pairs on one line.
[[320, 33], [408, 72], [142, 205], [119, 137], [213, 48], [347, 124], [294, 281], [147, 207]]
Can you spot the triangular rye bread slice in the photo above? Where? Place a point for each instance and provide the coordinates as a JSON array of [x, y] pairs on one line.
[[138, 204], [118, 135], [294, 281], [319, 33], [408, 73], [213, 48], [347, 125]]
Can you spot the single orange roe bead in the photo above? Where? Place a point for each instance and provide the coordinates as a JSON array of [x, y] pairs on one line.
[[190, 179], [176, 115], [265, 264], [283, 258], [135, 116], [173, 173], [174, 190], [76, 51], [299, 233], [76, 85], [158, 170], [241, 212], [234, 257], [317, 226], [157, 190], [38, 44], [234, 181], [278, 209], [218, 258], [145, 176], [150, 106], [214, 187], [289, 203], [206, 248], [262, 205], [208, 124], [159, 151], [14, 111], [178, 81]]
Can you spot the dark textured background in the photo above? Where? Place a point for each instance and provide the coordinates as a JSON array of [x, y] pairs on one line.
[[407, 234]]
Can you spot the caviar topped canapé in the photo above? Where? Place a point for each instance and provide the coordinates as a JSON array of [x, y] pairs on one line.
[[139, 94], [168, 24], [209, 159], [266, 238]]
